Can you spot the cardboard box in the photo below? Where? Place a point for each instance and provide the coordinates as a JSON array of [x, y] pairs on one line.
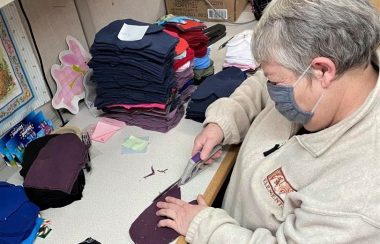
[[229, 9]]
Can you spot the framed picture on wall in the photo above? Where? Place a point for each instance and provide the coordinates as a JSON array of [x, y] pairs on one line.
[[22, 87]]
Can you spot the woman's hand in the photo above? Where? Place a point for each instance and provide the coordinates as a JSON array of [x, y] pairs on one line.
[[205, 141], [179, 213]]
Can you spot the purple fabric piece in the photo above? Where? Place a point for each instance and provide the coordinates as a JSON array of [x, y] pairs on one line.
[[163, 113], [149, 122], [186, 85], [184, 76], [186, 94], [144, 229], [58, 164]]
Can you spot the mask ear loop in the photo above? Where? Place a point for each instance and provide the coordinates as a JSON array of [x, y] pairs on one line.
[[317, 103], [302, 75], [320, 97]]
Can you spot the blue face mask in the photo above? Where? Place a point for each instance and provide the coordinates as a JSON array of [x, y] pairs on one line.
[[283, 97]]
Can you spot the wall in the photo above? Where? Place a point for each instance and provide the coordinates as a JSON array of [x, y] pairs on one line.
[[98, 13], [51, 21]]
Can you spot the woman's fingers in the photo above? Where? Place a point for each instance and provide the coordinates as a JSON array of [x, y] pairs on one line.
[[179, 213], [214, 157], [198, 145], [167, 212], [175, 201], [167, 223], [201, 200], [206, 150]]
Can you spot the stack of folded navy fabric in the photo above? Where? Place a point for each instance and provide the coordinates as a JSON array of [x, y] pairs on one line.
[[222, 84], [134, 78]]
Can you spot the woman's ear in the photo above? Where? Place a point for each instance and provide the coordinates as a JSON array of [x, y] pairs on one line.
[[324, 70]]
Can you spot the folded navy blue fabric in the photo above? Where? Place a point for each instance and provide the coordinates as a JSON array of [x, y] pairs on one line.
[[125, 96], [145, 66], [136, 72], [222, 84], [100, 49], [137, 85], [105, 70], [154, 41]]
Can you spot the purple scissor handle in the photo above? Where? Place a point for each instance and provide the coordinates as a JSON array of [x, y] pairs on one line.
[[196, 165]]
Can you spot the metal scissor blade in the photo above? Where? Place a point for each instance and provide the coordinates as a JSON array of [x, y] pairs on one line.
[[167, 189], [193, 167], [196, 165]]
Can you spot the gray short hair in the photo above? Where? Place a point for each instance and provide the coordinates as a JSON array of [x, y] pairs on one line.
[[293, 32]]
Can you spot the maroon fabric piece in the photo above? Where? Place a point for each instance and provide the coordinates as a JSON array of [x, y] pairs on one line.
[[190, 25], [196, 39], [184, 76], [58, 164], [149, 122], [144, 229]]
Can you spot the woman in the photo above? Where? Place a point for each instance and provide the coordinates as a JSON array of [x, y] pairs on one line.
[[309, 123]]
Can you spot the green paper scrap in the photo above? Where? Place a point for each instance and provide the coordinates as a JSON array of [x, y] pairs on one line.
[[135, 143]]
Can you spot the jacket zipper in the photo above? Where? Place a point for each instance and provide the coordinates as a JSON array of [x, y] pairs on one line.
[[273, 149], [277, 146]]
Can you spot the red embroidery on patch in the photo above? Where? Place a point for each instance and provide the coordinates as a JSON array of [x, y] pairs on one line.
[[278, 186]]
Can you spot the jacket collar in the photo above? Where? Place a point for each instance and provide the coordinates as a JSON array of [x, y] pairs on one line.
[[319, 142]]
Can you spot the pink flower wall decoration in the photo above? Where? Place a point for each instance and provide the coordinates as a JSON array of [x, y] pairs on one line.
[[69, 76]]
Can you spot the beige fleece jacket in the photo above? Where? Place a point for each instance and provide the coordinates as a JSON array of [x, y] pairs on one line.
[[322, 187]]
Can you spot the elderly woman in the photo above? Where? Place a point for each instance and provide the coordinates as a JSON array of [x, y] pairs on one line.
[[308, 170]]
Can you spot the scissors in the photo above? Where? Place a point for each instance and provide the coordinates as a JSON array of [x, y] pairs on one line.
[[194, 166]]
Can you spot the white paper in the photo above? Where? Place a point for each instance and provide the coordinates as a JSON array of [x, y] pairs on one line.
[[132, 32]]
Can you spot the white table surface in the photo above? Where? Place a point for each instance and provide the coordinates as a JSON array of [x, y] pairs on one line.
[[116, 192]]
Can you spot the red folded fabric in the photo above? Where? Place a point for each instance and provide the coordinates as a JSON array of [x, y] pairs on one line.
[[190, 25], [182, 44], [196, 39], [189, 56]]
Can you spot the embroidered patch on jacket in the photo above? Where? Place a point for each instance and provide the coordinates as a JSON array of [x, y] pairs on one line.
[[278, 186]]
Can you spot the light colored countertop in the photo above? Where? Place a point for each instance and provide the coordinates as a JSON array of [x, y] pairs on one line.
[[116, 191], [5, 2]]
